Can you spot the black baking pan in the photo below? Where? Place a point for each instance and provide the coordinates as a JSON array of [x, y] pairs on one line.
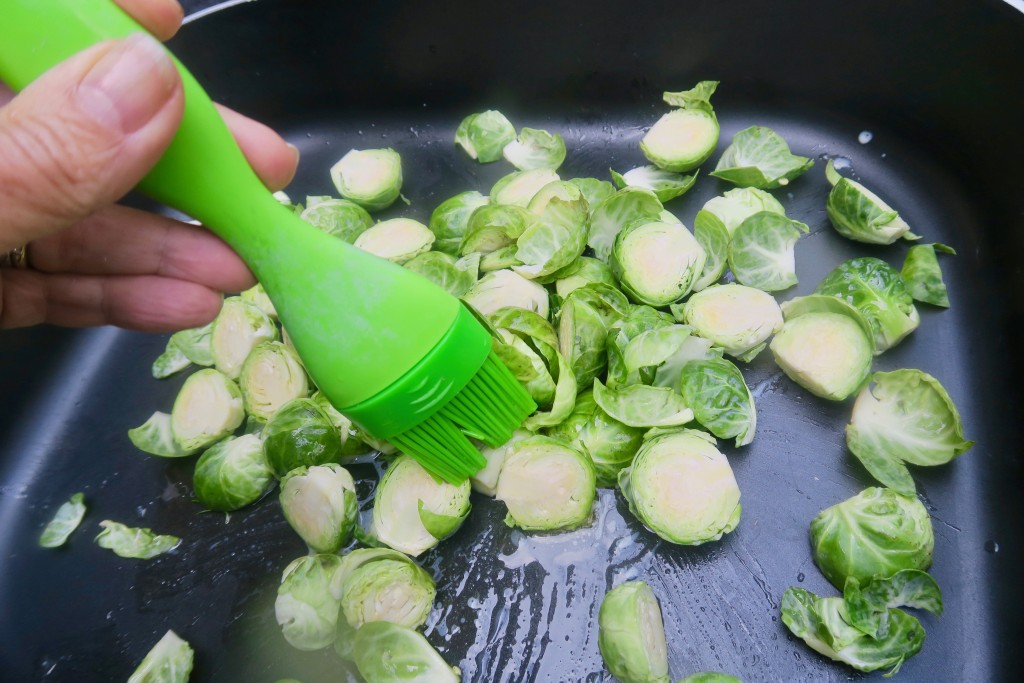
[[938, 85]]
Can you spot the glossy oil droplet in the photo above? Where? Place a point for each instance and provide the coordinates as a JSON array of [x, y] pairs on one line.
[[865, 137]]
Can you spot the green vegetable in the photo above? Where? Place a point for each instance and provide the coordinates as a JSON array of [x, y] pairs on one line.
[[398, 240], [825, 345], [583, 322], [412, 511], [631, 634], [626, 207], [715, 391], [208, 408], [710, 677], [67, 518], [640, 405], [872, 535], [559, 234], [300, 434], [875, 289], [485, 480], [713, 238], [665, 185], [455, 277], [594, 190], [172, 360], [859, 214], [493, 227], [759, 157], [379, 584], [657, 263], [134, 543], [485, 135], [239, 328], [684, 138], [320, 504], [869, 608], [610, 444], [682, 488], [518, 188], [547, 485], [638, 320], [737, 205], [534, 149], [271, 376], [232, 474], [170, 661], [761, 252], [904, 416], [258, 297], [372, 178], [155, 437], [450, 219], [309, 601], [389, 653], [737, 318], [582, 272], [657, 356], [339, 217], [183, 348], [504, 288], [923, 276]]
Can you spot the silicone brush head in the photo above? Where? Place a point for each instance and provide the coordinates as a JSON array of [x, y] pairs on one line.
[[489, 408]]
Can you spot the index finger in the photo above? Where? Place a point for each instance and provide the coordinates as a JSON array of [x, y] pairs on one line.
[[162, 18]]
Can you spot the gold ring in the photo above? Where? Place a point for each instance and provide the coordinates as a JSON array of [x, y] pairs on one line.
[[15, 258]]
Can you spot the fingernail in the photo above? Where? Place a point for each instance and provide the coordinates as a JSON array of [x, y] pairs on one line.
[[295, 150], [129, 84]]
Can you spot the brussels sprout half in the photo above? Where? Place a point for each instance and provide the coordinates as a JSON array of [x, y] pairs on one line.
[[656, 262], [610, 444], [681, 140], [737, 318], [533, 149], [397, 240], [238, 329], [389, 653], [485, 135], [342, 218], [454, 276], [613, 214], [859, 214], [504, 288], [208, 408], [631, 635], [518, 188], [682, 488], [300, 434], [872, 535], [450, 219], [232, 474], [271, 376], [320, 504], [309, 601], [384, 587], [371, 178]]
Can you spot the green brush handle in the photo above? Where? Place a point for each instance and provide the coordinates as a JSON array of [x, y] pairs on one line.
[[368, 331]]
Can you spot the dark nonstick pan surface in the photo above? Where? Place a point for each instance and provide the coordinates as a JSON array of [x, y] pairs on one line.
[[937, 84]]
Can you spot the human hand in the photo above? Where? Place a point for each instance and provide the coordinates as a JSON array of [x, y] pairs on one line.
[[73, 143]]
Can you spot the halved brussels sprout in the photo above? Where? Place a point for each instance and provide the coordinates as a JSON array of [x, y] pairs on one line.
[[534, 149], [874, 534], [640, 405], [904, 416], [136, 543], [485, 481], [170, 661], [389, 588], [372, 178], [493, 227], [825, 345], [300, 434], [389, 653], [656, 262], [396, 240], [232, 474], [339, 217], [684, 138], [664, 184], [923, 276], [759, 157], [519, 187], [761, 251], [271, 376], [716, 392], [504, 288], [594, 190], [737, 318], [559, 234], [739, 204], [610, 444], [208, 408], [309, 601], [485, 135], [582, 272], [156, 437], [320, 504], [859, 214], [412, 511], [238, 329], [547, 485], [67, 518], [875, 289], [682, 488], [258, 297], [454, 276], [631, 635], [450, 219], [626, 207]]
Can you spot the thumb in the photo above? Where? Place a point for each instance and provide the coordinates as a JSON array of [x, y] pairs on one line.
[[83, 134]]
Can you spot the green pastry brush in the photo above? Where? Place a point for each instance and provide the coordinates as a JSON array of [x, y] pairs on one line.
[[399, 356]]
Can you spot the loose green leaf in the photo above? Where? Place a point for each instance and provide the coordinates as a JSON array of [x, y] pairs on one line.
[[612, 215], [594, 191], [155, 437], [859, 214], [761, 251], [172, 360], [868, 607], [534, 149], [716, 392], [713, 237], [485, 135], [697, 97], [67, 518], [639, 405], [665, 185], [759, 157], [923, 276], [450, 219], [455, 277], [493, 227], [170, 661], [132, 542]]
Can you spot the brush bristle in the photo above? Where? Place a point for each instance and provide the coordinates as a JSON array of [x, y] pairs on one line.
[[489, 408]]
